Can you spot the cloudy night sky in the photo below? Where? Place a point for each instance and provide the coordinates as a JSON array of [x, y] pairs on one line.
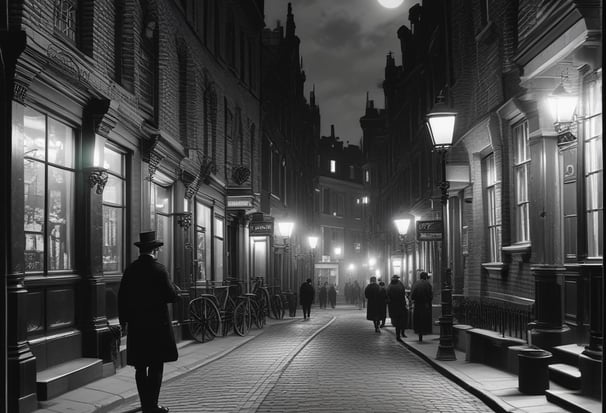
[[344, 44]]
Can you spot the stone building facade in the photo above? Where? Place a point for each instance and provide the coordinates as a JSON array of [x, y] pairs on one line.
[[120, 117], [524, 220]]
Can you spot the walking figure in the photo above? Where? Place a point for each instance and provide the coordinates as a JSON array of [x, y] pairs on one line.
[[383, 306], [306, 297], [323, 295], [332, 296], [396, 296], [376, 298], [145, 291], [421, 296]]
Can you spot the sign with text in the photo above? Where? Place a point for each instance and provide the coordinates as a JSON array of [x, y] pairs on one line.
[[261, 228], [429, 230]]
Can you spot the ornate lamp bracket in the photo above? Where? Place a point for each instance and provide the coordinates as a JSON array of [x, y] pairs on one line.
[[183, 219], [97, 177]]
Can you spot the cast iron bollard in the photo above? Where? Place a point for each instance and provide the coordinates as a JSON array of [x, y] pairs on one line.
[[533, 371]]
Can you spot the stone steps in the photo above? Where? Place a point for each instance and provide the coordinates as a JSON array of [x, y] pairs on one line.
[[67, 376]]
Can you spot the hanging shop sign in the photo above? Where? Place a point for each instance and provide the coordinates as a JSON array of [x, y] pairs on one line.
[[429, 230], [261, 228]]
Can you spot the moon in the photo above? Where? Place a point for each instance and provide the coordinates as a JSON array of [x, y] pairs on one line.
[[390, 4]]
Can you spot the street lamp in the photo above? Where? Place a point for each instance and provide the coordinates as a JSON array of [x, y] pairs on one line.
[[440, 123], [402, 225], [285, 230]]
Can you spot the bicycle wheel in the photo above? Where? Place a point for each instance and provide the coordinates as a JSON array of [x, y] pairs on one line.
[[204, 319], [227, 317], [243, 317], [259, 315], [277, 308], [266, 298]]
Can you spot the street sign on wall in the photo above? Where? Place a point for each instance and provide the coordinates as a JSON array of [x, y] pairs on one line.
[[429, 230], [261, 228]]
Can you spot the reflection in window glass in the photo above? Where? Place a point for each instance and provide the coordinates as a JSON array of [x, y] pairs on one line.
[[113, 211], [161, 207], [203, 248], [48, 191]]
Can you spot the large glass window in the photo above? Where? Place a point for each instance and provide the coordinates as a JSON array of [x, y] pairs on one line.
[[48, 178], [521, 162], [492, 209], [202, 233], [114, 207], [218, 236], [161, 209], [594, 167]]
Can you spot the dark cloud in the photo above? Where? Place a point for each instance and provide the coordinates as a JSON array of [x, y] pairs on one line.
[[343, 46]]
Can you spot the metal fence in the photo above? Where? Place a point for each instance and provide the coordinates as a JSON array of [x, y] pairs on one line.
[[508, 318]]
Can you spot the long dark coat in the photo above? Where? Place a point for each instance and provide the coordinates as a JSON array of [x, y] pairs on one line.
[[421, 295], [323, 296], [396, 296], [332, 296], [383, 303], [375, 310], [144, 293], [306, 294]]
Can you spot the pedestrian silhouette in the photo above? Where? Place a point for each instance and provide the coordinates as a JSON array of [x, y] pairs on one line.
[[383, 306], [396, 296], [376, 299], [306, 297], [421, 296], [323, 296], [355, 293], [145, 291], [332, 296]]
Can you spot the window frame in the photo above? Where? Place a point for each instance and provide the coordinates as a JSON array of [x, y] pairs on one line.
[[521, 172]]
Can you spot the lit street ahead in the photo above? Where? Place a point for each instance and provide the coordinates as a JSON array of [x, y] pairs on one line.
[[334, 362]]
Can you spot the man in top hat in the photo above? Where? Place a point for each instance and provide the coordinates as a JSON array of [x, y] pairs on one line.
[[144, 293]]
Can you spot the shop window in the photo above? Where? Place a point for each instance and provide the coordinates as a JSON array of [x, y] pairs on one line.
[[161, 212], [203, 250], [219, 242], [114, 210], [521, 164], [593, 165], [48, 177], [66, 18], [492, 209]]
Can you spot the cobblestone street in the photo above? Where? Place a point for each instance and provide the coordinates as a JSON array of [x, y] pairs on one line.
[[333, 363]]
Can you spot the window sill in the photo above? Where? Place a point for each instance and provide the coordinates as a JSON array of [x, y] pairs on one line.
[[519, 252], [496, 269]]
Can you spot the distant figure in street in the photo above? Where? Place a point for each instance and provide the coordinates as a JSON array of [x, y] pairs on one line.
[[421, 296], [332, 296], [306, 297], [383, 306], [323, 295], [376, 298], [355, 293], [396, 299], [145, 291], [347, 292]]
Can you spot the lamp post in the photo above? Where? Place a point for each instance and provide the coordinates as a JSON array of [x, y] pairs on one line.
[[285, 230], [440, 123], [313, 243], [402, 225]]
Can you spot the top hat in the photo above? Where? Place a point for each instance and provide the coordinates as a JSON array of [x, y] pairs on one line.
[[148, 240], [395, 277]]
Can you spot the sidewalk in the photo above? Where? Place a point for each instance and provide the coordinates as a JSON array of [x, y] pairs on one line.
[[497, 388], [103, 395]]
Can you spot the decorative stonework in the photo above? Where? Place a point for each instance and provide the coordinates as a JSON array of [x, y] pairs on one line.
[[150, 155], [240, 174], [97, 177], [183, 219]]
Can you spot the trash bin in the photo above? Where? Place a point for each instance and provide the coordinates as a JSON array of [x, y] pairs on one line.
[[533, 370]]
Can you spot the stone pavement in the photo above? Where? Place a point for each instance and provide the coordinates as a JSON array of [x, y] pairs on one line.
[[290, 362]]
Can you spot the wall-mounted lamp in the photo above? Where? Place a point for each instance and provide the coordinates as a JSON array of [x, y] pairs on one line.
[[562, 105], [285, 228], [440, 122], [313, 241]]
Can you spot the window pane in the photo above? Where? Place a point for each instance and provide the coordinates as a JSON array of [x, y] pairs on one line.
[[34, 134], [60, 218], [35, 196], [218, 227], [595, 225], [113, 192], [112, 161], [112, 239], [164, 234], [60, 144]]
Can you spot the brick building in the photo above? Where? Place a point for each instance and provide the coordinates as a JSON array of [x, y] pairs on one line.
[[291, 133], [119, 117], [524, 222]]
